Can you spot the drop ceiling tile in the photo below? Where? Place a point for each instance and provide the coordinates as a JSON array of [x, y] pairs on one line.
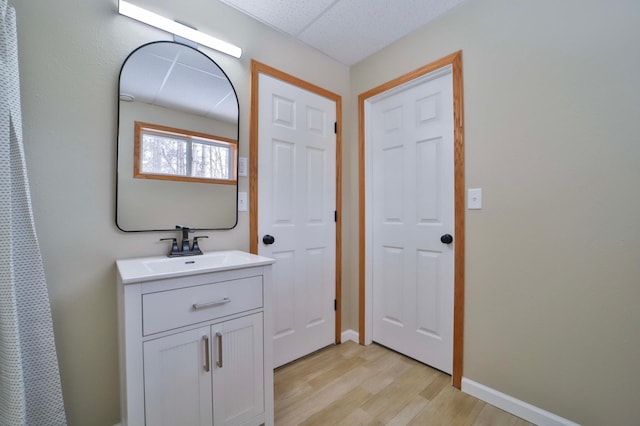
[[354, 29], [290, 17], [143, 75], [191, 89]]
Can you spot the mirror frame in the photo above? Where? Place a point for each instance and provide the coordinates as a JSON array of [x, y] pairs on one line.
[[237, 151]]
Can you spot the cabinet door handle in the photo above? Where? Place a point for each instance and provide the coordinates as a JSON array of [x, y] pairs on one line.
[[197, 306], [219, 337], [205, 340]]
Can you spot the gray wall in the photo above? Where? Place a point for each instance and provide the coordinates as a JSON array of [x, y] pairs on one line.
[[551, 104], [70, 57]]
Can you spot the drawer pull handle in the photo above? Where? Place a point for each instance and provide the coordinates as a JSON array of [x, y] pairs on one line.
[[198, 306], [219, 337], [205, 341]]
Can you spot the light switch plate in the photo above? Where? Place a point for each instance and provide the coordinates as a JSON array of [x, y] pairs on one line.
[[243, 204], [242, 166], [474, 198]]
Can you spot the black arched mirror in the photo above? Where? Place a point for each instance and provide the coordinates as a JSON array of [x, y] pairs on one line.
[[178, 127]]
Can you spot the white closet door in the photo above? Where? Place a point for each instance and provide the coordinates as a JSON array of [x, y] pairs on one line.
[[413, 208], [296, 198]]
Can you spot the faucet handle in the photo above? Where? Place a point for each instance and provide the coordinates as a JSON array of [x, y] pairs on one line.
[[196, 248], [174, 246]]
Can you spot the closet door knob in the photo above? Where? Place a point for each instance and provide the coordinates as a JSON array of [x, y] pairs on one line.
[[268, 239], [446, 239]]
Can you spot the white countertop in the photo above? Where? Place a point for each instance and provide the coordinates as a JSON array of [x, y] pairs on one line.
[[161, 267]]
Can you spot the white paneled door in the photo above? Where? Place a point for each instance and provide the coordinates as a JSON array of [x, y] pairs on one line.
[[296, 215], [412, 212]]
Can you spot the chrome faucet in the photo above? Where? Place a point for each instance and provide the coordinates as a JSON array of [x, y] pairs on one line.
[[186, 249]]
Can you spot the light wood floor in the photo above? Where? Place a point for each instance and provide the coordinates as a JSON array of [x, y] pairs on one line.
[[350, 384]]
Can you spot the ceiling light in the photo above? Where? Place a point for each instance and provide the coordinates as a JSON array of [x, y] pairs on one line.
[[165, 24], [126, 97]]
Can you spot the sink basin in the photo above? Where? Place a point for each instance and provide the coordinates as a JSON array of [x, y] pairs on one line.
[[190, 263], [158, 267]]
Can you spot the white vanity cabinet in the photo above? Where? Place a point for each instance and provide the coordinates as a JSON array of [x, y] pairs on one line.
[[186, 371], [195, 345]]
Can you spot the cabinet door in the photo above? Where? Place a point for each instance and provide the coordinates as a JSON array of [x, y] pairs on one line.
[[238, 371], [177, 379]]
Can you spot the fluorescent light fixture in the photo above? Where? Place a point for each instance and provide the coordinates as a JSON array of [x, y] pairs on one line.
[[165, 24]]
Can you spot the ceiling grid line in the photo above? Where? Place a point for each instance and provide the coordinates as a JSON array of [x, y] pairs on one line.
[[345, 30]]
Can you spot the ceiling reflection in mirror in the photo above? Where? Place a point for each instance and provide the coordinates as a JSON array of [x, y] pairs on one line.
[[173, 86]]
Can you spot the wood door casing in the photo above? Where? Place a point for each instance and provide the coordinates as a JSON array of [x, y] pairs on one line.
[[455, 60]]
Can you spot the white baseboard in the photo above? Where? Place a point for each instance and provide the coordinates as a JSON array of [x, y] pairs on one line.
[[349, 335], [514, 406]]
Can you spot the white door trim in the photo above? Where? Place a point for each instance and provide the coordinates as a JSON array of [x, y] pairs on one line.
[[365, 101], [258, 68]]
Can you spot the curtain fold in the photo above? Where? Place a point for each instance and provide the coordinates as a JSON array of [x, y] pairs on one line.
[[30, 390]]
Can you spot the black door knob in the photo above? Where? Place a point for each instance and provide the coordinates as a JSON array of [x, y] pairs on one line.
[[446, 238], [268, 239]]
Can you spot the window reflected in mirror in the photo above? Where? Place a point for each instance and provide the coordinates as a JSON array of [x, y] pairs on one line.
[[167, 153]]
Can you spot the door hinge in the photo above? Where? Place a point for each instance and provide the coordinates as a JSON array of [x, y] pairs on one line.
[[335, 127], [335, 304], [335, 215]]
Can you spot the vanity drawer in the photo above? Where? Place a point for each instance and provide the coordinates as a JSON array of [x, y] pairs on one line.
[[166, 310]]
